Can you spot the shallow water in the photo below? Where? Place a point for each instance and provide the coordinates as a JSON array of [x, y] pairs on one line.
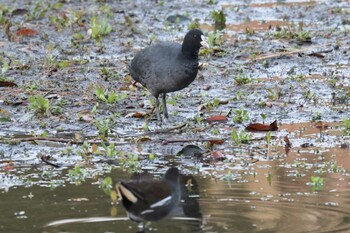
[[260, 187], [250, 203]]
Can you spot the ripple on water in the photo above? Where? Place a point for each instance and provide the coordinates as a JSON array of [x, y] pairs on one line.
[[282, 207]]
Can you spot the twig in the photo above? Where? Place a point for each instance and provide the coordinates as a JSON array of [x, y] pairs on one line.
[[276, 55], [63, 140], [169, 129], [192, 140], [46, 158]]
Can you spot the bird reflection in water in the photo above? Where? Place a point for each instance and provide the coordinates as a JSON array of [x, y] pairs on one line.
[[147, 199]]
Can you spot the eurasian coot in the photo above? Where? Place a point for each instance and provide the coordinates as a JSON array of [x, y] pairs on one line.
[[168, 66], [146, 199]]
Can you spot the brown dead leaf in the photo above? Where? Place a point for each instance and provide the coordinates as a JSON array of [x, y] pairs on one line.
[[27, 32], [136, 115], [94, 148], [261, 127], [143, 139], [321, 125], [216, 141], [19, 12], [8, 167], [86, 117], [218, 155], [218, 118], [7, 84], [319, 55]]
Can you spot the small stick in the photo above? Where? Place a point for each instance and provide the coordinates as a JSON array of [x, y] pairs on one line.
[[63, 140], [276, 55]]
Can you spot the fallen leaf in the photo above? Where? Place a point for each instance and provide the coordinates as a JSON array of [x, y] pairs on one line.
[[86, 117], [8, 167], [216, 141], [4, 113], [94, 148], [7, 84], [218, 118], [79, 136], [27, 32], [136, 115], [321, 125], [143, 139], [19, 12], [218, 155], [319, 55], [261, 127]]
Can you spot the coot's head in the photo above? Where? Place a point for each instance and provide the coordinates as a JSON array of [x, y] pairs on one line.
[[193, 40]]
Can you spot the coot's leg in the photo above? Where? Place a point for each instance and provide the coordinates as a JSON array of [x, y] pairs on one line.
[[165, 110], [157, 109]]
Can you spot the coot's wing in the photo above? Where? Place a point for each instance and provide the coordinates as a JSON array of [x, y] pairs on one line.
[[149, 65]]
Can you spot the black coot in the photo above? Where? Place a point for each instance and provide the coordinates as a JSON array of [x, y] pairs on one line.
[[146, 199], [168, 66]]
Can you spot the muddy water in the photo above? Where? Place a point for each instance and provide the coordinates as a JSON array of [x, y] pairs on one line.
[[251, 203]]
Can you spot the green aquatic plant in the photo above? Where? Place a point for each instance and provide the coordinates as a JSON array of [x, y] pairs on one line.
[[5, 67], [242, 79], [130, 162], [240, 115], [99, 28], [241, 137], [219, 18], [38, 12], [104, 126], [215, 39], [4, 10], [269, 178], [109, 97], [316, 117], [298, 77], [85, 152], [193, 24], [107, 185], [316, 183], [274, 93], [346, 125], [292, 32], [77, 174], [303, 36], [110, 150], [39, 105]]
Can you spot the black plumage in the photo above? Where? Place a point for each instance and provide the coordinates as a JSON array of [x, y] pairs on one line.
[[146, 199], [168, 66]]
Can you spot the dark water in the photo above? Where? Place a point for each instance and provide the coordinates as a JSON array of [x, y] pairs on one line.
[[252, 203]]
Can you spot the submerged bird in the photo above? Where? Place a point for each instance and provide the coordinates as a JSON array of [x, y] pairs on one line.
[[146, 199], [168, 66]]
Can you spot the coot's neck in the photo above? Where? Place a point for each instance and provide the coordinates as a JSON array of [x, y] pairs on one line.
[[189, 51]]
